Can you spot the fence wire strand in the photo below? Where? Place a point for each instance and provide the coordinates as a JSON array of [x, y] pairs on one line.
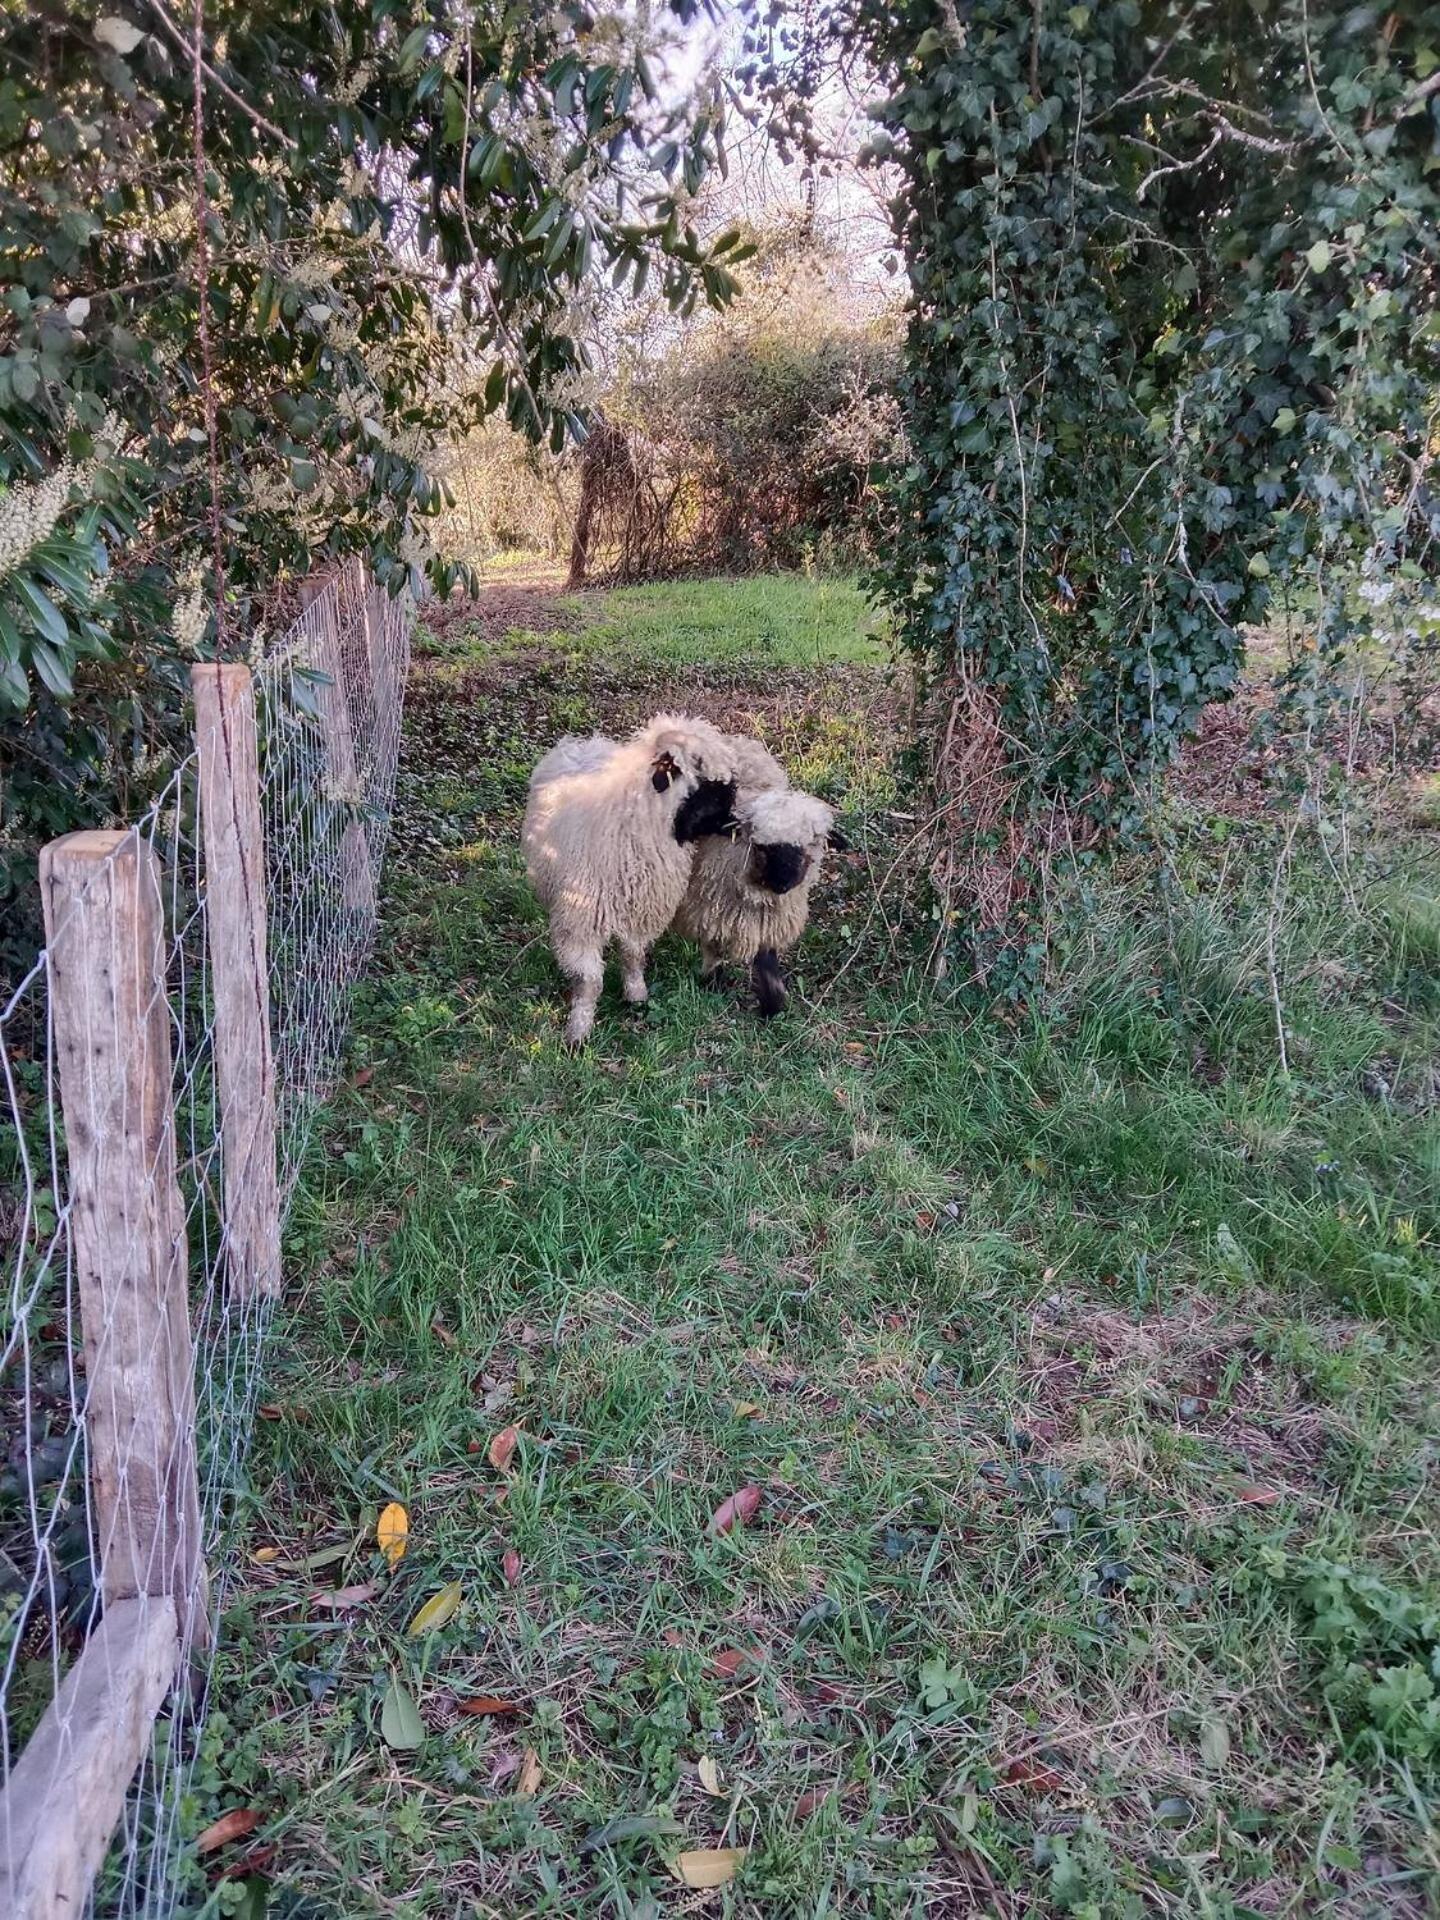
[[329, 701]]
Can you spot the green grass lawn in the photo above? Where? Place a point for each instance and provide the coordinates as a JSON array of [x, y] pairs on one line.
[[1084, 1365]]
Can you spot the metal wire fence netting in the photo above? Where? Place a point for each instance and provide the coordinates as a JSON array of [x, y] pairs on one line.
[[329, 700]]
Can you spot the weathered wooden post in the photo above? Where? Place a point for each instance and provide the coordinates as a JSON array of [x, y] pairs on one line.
[[232, 838], [111, 1022], [357, 882], [104, 928]]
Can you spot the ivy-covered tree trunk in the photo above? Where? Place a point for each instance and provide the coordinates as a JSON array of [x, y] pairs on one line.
[[1171, 347]]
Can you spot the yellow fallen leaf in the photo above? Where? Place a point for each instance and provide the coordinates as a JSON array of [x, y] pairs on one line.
[[529, 1775], [710, 1866], [709, 1773], [392, 1533], [439, 1608], [746, 1410], [262, 1556]]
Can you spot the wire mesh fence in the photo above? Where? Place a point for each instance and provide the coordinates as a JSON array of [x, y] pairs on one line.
[[130, 1337]]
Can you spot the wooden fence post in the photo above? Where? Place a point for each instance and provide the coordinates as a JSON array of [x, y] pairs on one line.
[[232, 837], [65, 1794], [357, 882], [111, 1016]]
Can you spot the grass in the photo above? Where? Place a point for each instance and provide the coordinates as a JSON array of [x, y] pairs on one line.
[[1084, 1364]]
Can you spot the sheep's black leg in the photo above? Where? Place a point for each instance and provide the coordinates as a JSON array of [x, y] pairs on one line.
[[768, 982]]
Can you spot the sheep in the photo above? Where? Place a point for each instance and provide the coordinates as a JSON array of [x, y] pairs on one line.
[[749, 894], [609, 840]]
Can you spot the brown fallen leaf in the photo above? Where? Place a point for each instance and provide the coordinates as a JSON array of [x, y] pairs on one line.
[[707, 1770], [738, 1510], [511, 1566], [475, 1446], [808, 1802], [709, 1866], [1252, 1496], [230, 1826], [746, 1410], [363, 1077], [443, 1334], [730, 1662], [529, 1780], [488, 1703], [255, 1861], [339, 1598], [502, 1448], [1034, 1776], [672, 1637], [504, 1767], [262, 1556]]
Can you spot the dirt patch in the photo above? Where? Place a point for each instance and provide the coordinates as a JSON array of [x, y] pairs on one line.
[[1197, 1371], [533, 607]]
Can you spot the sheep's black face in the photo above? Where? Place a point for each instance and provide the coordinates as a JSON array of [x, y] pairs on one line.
[[708, 808], [779, 867]]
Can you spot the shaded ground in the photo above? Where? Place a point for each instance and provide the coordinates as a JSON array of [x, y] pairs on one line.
[[1083, 1366]]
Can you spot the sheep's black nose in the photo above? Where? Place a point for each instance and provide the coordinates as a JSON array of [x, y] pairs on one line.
[[779, 868]]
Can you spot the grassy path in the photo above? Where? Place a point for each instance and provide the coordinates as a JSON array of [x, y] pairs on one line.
[[1082, 1366]]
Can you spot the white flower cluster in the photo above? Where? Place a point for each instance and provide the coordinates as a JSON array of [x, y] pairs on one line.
[[192, 609], [31, 510]]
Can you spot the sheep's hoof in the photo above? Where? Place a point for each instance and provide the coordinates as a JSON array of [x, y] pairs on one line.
[[769, 984], [577, 1031], [636, 995]]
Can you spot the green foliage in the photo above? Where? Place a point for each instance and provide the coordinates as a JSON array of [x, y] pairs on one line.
[[397, 204], [1136, 422], [1378, 1652]]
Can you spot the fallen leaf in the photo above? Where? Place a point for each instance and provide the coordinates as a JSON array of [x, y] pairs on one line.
[[673, 1638], [488, 1703], [746, 1410], [400, 1724], [709, 1772], [230, 1826], [313, 1562], [392, 1533], [511, 1565], [338, 1598], [443, 1334], [925, 1221], [363, 1077], [739, 1509], [1214, 1743], [732, 1659], [505, 1767], [438, 1609], [812, 1798], [529, 1779], [629, 1826], [1252, 1496], [709, 1866], [502, 1448], [1033, 1776], [262, 1556], [475, 1446], [255, 1861]]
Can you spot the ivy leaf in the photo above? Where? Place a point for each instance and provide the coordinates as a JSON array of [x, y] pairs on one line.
[[1318, 256]]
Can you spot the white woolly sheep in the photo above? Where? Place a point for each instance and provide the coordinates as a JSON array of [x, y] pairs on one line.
[[749, 894], [609, 841]]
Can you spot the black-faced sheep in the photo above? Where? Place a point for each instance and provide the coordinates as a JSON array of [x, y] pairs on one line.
[[749, 894], [609, 841]]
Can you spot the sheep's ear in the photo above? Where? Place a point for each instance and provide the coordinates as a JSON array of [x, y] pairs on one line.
[[836, 841], [664, 769]]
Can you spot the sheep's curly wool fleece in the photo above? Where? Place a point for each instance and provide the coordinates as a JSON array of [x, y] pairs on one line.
[[723, 910], [599, 839]]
